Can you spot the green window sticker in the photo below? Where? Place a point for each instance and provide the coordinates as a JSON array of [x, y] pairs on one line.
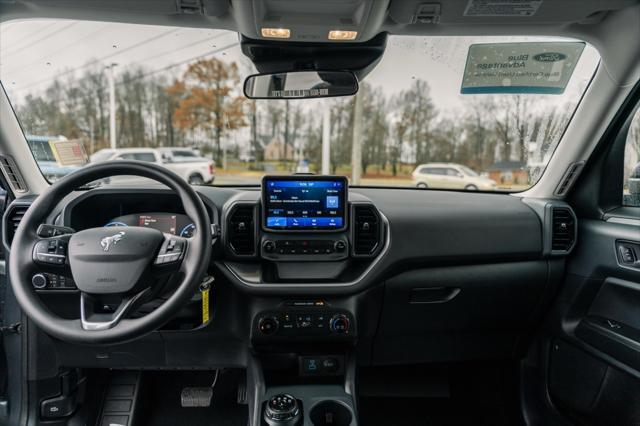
[[534, 68]]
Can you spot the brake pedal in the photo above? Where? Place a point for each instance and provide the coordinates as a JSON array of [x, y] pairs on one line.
[[196, 397]]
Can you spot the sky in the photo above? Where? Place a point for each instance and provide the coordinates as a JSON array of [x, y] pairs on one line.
[[33, 53]]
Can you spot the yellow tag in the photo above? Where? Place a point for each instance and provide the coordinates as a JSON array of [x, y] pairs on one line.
[[205, 306]]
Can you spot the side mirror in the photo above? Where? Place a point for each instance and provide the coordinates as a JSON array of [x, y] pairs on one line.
[[301, 85]]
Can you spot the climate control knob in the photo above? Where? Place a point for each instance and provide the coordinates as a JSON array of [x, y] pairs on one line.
[[339, 324], [39, 281], [268, 326], [269, 246], [340, 246]]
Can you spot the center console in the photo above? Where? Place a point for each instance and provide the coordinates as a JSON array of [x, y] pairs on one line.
[[320, 405], [302, 232]]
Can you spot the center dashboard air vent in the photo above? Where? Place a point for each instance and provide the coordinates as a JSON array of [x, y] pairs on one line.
[[563, 233], [241, 235], [12, 218], [366, 230]]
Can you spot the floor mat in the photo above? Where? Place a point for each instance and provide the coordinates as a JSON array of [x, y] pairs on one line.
[[477, 395], [161, 400]]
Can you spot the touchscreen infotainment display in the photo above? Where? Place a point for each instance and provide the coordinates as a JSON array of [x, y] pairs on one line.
[[304, 203]]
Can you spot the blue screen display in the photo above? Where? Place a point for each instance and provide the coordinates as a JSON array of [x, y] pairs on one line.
[[304, 204]]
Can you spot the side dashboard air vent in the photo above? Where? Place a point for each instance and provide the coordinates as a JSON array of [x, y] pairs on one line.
[[563, 230], [569, 178], [12, 174], [366, 230], [241, 230], [12, 218]]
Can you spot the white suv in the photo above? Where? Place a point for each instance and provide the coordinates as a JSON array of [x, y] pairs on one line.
[[185, 162], [450, 176]]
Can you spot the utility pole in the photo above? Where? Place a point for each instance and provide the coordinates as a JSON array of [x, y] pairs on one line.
[[356, 148], [112, 105], [91, 136], [326, 135]]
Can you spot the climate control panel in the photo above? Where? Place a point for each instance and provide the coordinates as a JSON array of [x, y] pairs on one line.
[[279, 248], [304, 323]]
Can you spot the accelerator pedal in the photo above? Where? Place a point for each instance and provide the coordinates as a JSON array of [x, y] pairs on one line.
[[196, 397]]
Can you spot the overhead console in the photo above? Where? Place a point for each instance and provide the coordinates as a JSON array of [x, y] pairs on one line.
[[302, 230]]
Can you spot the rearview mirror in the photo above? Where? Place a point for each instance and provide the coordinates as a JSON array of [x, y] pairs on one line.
[[301, 85]]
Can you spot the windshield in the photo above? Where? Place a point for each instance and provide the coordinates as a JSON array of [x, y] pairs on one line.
[[117, 86], [102, 155]]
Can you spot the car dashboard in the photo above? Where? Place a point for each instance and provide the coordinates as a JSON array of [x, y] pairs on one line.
[[410, 268]]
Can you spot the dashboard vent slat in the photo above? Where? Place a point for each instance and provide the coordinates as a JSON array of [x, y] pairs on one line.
[[563, 231], [241, 231], [13, 218], [366, 230], [12, 174]]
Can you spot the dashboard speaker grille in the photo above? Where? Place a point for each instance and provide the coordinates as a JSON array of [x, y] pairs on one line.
[[241, 231], [13, 218], [564, 230], [12, 174], [366, 231]]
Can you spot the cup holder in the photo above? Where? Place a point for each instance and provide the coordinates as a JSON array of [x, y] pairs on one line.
[[330, 413]]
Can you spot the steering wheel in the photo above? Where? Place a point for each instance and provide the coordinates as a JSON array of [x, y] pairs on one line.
[[121, 264]]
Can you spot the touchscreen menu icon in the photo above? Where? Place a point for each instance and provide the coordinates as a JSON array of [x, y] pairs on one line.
[[333, 202]]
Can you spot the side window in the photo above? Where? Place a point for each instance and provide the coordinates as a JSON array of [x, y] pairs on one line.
[[631, 188], [145, 156], [129, 156], [453, 172], [425, 171]]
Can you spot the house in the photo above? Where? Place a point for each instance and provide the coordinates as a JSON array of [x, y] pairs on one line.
[[274, 151], [509, 172]]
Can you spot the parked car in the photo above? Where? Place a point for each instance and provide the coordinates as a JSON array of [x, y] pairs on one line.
[[194, 169], [180, 154], [450, 176], [633, 197], [47, 162], [303, 167]]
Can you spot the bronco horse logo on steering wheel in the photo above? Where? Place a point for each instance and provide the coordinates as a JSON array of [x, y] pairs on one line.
[[107, 242]]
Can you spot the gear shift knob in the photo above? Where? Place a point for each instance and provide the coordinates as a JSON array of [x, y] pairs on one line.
[[282, 410]]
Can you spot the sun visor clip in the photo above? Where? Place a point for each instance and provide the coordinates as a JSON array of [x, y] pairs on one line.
[[189, 7], [427, 13]]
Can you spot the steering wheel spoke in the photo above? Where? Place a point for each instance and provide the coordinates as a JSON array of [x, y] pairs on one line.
[[93, 316], [51, 254], [170, 255]]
